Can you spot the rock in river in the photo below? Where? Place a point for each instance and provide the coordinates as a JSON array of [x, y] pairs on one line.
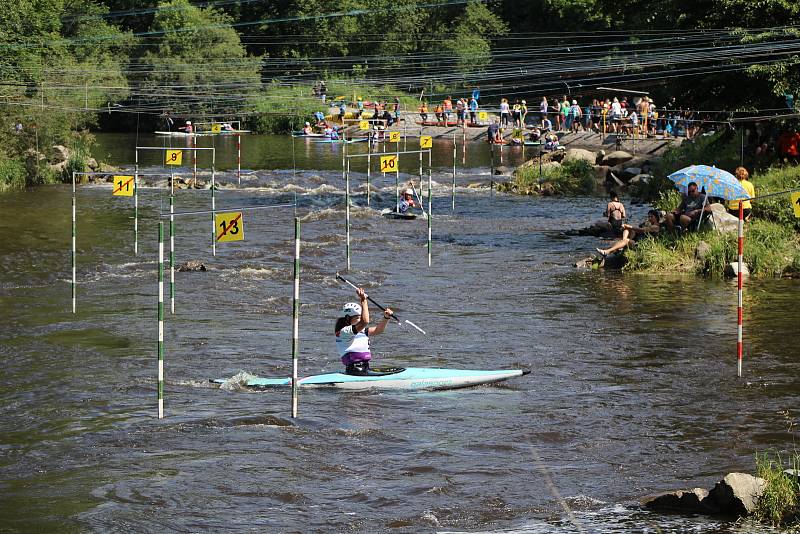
[[191, 265]]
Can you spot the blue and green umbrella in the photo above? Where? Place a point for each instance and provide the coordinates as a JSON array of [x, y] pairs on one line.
[[715, 182]]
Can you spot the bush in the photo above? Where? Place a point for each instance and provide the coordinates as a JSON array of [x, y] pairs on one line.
[[778, 504], [777, 209], [574, 177], [12, 173]]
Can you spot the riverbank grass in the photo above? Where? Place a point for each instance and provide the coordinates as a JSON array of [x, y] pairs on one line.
[[574, 177], [779, 505]]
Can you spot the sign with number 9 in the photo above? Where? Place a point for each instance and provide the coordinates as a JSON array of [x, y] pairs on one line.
[[173, 157]]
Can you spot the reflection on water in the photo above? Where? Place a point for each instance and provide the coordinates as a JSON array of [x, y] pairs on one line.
[[632, 390]]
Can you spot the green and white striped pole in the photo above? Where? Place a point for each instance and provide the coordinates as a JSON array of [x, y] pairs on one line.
[[172, 243], [74, 251], [347, 211], [296, 315], [454, 172], [160, 320], [136, 206], [430, 204], [369, 161], [213, 205]]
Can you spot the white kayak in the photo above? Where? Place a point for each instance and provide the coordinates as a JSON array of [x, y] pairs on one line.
[[388, 213], [400, 378], [201, 134]]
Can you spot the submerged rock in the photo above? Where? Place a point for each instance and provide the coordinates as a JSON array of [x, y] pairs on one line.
[[685, 501], [191, 266]]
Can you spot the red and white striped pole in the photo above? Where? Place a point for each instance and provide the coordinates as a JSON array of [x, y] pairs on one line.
[[239, 158], [739, 313]]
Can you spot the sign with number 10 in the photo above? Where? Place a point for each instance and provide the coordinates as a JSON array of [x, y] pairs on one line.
[[389, 163]]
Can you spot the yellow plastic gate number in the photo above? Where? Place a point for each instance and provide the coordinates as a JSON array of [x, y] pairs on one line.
[[482, 115], [394, 137], [229, 226], [426, 141], [123, 186], [216, 128], [796, 204], [173, 157], [363, 125], [389, 164]]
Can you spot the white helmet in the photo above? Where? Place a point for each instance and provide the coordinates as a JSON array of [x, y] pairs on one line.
[[308, 124], [408, 192], [351, 309], [188, 122]]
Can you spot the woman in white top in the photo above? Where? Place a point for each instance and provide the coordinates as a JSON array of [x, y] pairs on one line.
[[504, 112], [353, 333]]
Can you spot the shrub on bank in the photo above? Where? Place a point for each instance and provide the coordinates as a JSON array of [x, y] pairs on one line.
[[12, 173], [770, 249], [779, 505], [575, 177]]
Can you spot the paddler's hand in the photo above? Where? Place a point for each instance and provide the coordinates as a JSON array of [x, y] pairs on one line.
[[387, 313], [362, 295]]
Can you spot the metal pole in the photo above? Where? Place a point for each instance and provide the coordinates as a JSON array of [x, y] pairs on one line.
[[430, 206], [213, 203], [455, 149], [239, 158], [296, 314], [172, 242], [397, 175], [347, 211], [739, 310], [160, 320], [74, 251]]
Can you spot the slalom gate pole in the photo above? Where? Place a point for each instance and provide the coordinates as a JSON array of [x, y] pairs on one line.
[[74, 246], [739, 309], [296, 315], [136, 211], [397, 174], [455, 149], [172, 242], [239, 158], [160, 320], [430, 204], [369, 159], [213, 203], [464, 149], [347, 212], [194, 159]]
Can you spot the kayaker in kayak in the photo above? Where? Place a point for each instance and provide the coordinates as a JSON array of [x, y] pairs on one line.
[[353, 333], [406, 201]]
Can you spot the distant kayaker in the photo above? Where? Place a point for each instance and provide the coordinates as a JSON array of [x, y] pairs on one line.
[[353, 333], [187, 127], [406, 201], [307, 130]]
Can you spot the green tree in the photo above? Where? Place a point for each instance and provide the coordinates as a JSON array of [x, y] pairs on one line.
[[199, 63], [472, 32]]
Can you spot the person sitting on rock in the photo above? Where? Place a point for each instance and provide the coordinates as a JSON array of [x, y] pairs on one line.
[[689, 210], [550, 140], [630, 234], [615, 211]]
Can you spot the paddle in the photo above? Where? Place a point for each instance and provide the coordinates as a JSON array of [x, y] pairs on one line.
[[395, 317], [421, 206]]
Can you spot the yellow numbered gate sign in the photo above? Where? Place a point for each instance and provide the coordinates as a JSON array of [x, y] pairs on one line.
[[426, 141], [394, 137], [389, 164], [216, 128], [123, 186], [482, 115], [363, 125], [229, 226], [796, 204], [173, 157]]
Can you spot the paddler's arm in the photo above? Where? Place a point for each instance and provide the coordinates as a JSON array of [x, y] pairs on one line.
[[375, 330], [364, 321]]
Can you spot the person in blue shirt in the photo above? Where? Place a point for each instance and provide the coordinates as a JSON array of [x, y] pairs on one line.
[[473, 110]]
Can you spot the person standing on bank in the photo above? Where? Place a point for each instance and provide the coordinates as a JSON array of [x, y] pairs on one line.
[[353, 333], [733, 205]]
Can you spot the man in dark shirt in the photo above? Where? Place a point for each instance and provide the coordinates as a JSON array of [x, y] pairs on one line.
[[690, 209], [493, 132]]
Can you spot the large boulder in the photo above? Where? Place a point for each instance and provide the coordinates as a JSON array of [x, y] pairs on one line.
[[737, 494], [640, 179], [600, 174], [688, 502], [92, 164], [59, 153], [630, 172], [723, 221], [580, 154], [191, 266], [617, 157]]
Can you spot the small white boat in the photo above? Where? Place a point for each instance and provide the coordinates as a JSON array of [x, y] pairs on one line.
[[388, 213]]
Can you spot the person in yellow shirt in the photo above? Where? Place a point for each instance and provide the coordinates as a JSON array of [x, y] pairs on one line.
[[733, 205]]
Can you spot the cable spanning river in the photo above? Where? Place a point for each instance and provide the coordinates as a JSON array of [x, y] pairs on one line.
[[633, 386]]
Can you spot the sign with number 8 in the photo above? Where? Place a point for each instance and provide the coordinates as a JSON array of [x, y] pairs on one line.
[[389, 164], [173, 157], [394, 137]]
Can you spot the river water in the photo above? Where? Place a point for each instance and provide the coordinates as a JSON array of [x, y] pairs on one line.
[[632, 389]]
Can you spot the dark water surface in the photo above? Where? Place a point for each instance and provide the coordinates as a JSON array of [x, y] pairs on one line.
[[632, 391]]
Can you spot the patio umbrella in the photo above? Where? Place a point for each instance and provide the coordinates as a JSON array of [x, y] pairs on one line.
[[715, 182]]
